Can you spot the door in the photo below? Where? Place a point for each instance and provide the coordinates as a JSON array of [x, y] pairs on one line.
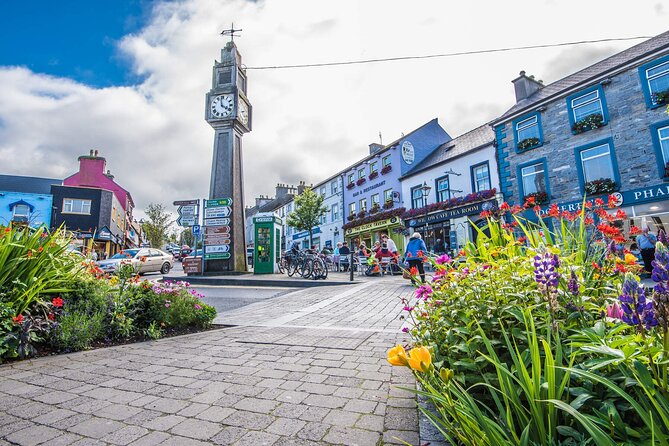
[[156, 260]]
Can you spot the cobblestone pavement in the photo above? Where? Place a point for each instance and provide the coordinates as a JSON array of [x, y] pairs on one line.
[[305, 368]]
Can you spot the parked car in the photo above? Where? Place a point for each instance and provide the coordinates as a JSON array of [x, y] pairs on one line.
[[144, 260]]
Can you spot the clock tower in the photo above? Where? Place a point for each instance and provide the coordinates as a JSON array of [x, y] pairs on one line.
[[228, 111]]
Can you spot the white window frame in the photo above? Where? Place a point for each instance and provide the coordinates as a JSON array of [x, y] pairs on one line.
[[387, 195], [477, 180], [334, 212], [322, 190], [352, 208], [372, 167], [69, 203], [525, 124], [361, 173], [351, 178], [588, 102], [15, 214], [665, 72], [664, 139], [414, 197], [585, 179], [334, 187], [385, 161], [378, 197], [536, 172], [363, 204]]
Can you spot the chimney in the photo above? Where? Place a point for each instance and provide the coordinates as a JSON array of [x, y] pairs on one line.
[[281, 190], [375, 147], [525, 86], [91, 168], [301, 187]]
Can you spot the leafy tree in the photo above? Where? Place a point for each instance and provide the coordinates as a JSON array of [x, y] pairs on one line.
[[157, 225], [308, 211], [187, 237]]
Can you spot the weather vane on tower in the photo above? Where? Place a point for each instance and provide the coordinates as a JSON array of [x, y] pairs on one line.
[[231, 32]]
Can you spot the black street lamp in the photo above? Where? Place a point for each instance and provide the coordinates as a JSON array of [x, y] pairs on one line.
[[425, 191]]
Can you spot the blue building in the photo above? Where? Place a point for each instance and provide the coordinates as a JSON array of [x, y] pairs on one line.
[[26, 200], [599, 131], [372, 200]]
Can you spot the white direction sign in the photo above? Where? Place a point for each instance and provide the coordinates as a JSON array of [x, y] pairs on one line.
[[217, 212], [218, 221], [187, 220], [187, 210], [216, 248]]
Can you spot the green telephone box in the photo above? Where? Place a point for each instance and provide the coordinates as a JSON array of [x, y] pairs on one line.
[[267, 248]]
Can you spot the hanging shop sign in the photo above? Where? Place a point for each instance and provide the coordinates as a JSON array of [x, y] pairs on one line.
[[448, 214], [373, 225]]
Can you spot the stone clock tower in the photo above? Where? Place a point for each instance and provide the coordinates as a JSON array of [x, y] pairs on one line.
[[228, 111]]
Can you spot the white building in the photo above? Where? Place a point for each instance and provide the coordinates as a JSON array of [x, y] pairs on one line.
[[450, 188]]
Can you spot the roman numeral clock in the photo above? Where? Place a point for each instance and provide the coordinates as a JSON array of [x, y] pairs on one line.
[[229, 112]]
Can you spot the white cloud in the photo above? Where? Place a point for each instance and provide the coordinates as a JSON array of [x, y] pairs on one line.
[[308, 123]]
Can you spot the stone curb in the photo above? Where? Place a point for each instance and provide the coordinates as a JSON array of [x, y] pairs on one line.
[[234, 281]]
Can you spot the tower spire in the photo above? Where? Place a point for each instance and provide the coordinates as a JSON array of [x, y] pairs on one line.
[[231, 32]]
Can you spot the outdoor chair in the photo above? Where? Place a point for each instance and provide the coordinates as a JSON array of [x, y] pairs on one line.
[[386, 264]]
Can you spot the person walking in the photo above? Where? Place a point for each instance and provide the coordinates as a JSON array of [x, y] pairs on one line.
[[415, 251], [646, 242]]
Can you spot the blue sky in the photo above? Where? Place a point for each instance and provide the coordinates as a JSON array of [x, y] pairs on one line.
[[71, 38]]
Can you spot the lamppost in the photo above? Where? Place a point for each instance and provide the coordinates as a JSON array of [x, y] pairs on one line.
[[425, 191]]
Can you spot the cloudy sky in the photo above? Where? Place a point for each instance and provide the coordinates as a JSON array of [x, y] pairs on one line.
[[129, 79]]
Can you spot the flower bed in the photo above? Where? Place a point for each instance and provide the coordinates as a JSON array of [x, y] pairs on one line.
[[72, 305], [451, 203], [542, 334], [372, 218]]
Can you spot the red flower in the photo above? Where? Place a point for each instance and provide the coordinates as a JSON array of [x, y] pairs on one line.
[[420, 253], [8, 230], [635, 230], [413, 271], [621, 215], [408, 254], [612, 201], [537, 209], [505, 206], [18, 319], [51, 316], [589, 221], [40, 249], [588, 204], [599, 202], [596, 266], [530, 201], [515, 209], [522, 239], [486, 214], [30, 253], [553, 211], [462, 253], [57, 302]]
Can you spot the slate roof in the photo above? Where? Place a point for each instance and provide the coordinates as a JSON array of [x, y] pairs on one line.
[[473, 139], [276, 203], [589, 74], [31, 185]]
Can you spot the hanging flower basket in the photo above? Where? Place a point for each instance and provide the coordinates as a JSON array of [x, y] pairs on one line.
[[373, 175], [375, 208], [350, 185], [350, 217], [361, 214], [361, 181], [388, 204], [386, 169], [601, 186], [528, 143], [536, 198], [589, 123]]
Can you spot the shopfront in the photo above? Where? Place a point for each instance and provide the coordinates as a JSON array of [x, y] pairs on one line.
[[371, 232], [450, 226], [302, 238]]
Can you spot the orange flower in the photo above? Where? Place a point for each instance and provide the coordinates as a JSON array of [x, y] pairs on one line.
[[30, 253], [397, 356], [553, 211], [40, 249], [635, 230], [504, 206], [413, 271], [420, 359], [630, 259]]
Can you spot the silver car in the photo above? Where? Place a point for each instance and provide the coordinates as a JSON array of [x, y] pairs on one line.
[[143, 260]]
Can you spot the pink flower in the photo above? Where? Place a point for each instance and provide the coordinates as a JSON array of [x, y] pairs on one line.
[[424, 292], [614, 311], [197, 307], [405, 329], [442, 259], [408, 308]]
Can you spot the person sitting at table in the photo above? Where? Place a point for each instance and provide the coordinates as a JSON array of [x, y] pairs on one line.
[[344, 253], [391, 244], [376, 247], [387, 253], [362, 250]]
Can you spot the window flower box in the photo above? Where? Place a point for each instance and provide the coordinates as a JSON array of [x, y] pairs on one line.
[[373, 175], [388, 204], [375, 208], [589, 123], [528, 143], [385, 215], [601, 186], [350, 217], [661, 97], [666, 171], [386, 169], [350, 185], [536, 198], [361, 181], [450, 203], [362, 213]]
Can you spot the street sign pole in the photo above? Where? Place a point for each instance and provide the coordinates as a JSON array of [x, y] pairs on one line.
[[202, 233]]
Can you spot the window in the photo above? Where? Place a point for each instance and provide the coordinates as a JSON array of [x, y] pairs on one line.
[[443, 189], [533, 178], [385, 161], [481, 177], [596, 161], [363, 204], [334, 187], [76, 206], [375, 199], [361, 173], [417, 200], [527, 132], [660, 137], [655, 82], [323, 191], [351, 208], [290, 207], [387, 195], [335, 212], [372, 167], [351, 178], [21, 210], [323, 219], [585, 104]]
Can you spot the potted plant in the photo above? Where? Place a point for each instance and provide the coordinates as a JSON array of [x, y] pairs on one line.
[[362, 213], [350, 185], [588, 123], [386, 169], [350, 217], [373, 175], [600, 186], [388, 204], [661, 97], [537, 197], [361, 181], [528, 143], [375, 208]]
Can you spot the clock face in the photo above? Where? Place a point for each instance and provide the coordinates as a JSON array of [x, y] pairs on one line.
[[243, 112], [221, 106]]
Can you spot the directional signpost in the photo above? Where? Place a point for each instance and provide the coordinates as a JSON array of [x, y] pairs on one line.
[[217, 240], [188, 211]]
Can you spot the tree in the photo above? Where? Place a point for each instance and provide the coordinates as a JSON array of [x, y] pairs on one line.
[[308, 211], [157, 227], [187, 237]]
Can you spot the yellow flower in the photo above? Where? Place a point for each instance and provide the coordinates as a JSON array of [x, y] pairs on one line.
[[397, 355], [630, 259], [420, 359], [446, 374]]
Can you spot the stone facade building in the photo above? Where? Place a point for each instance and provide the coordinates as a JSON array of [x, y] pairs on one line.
[[599, 131]]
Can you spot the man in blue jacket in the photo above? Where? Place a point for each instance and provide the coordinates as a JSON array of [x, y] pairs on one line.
[[415, 251]]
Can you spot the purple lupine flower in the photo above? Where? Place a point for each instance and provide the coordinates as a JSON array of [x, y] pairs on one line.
[[424, 292], [662, 237], [545, 269], [660, 273], [443, 259], [572, 285], [637, 311]]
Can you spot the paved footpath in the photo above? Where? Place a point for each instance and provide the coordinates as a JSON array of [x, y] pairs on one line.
[[305, 368]]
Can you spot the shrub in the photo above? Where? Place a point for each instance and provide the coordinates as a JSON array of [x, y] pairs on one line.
[[77, 330]]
